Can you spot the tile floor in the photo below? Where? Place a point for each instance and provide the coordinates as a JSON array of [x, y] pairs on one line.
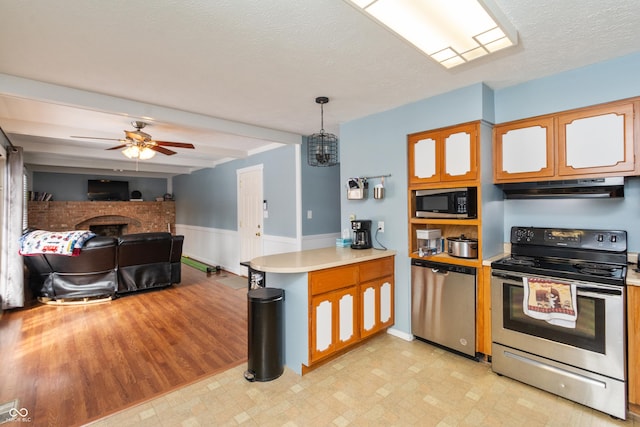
[[385, 382]]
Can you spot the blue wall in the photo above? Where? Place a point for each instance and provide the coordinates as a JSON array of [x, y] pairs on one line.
[[594, 84], [320, 195], [208, 197], [73, 187]]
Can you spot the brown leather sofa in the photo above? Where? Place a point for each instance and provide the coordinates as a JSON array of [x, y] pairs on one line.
[[107, 267]]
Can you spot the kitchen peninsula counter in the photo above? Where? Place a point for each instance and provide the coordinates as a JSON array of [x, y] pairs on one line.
[[315, 259], [333, 299]]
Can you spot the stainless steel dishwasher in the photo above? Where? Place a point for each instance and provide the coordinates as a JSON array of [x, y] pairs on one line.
[[443, 305]]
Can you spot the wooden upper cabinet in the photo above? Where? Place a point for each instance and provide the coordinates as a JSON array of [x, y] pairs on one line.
[[444, 155], [524, 149], [596, 140], [587, 142]]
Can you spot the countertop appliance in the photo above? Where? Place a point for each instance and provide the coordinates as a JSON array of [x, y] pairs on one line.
[[361, 234], [462, 247], [447, 203], [443, 305], [582, 356]]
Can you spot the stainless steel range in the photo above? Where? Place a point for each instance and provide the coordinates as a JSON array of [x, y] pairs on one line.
[[558, 314]]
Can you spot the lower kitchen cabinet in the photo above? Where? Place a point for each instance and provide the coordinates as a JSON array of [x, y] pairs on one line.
[[348, 304], [333, 324], [376, 301]]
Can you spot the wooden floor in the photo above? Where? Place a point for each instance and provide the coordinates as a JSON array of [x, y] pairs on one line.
[[68, 365]]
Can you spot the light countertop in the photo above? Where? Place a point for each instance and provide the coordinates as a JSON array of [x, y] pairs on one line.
[[633, 277], [315, 259]]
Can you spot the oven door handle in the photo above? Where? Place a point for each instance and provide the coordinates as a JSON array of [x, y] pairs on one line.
[[595, 292], [507, 276]]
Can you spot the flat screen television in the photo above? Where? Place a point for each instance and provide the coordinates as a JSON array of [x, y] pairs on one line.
[[106, 189]]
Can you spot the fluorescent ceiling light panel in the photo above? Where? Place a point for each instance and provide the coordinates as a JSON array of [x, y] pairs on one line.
[[451, 32]]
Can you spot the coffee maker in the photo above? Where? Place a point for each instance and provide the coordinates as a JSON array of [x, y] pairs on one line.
[[361, 234]]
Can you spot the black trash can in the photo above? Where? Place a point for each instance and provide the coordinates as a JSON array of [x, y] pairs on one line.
[[266, 334]]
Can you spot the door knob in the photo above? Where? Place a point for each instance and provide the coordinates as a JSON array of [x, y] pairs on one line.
[[258, 233]]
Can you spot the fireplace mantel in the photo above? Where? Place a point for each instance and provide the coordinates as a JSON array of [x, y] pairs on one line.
[[139, 217]]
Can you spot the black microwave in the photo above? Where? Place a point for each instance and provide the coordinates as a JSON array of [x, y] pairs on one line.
[[447, 203]]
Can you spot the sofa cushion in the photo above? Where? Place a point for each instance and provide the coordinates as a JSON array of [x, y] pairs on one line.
[[144, 261], [143, 248], [97, 255]]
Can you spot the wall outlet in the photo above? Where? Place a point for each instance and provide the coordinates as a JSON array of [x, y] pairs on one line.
[[352, 217], [381, 226]]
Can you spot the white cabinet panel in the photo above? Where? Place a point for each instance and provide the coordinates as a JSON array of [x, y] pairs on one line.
[[524, 150], [324, 325], [369, 309], [385, 302], [425, 158], [346, 307], [458, 154], [595, 141]]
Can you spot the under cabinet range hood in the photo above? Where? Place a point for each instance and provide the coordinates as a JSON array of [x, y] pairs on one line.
[[566, 189]]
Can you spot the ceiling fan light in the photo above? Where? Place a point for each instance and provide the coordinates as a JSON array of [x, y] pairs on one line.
[[137, 152], [131, 151], [146, 153]]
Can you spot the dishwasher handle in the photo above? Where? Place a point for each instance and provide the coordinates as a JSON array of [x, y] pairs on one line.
[[442, 268]]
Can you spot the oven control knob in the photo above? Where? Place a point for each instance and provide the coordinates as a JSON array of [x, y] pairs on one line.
[[614, 238], [600, 238]]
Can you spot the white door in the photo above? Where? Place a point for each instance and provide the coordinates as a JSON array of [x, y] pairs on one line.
[[250, 212]]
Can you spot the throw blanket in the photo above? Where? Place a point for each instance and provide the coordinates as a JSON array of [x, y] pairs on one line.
[[54, 242], [552, 301]]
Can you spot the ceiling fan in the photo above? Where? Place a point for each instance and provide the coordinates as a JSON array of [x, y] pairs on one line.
[[137, 142]]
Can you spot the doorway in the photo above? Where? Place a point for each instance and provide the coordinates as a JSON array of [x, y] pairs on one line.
[[250, 211]]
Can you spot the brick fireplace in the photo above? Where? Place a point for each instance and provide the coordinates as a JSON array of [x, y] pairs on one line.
[[105, 218]]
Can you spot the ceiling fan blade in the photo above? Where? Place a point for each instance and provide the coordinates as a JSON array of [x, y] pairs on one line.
[[95, 137], [175, 144], [117, 146], [162, 150]]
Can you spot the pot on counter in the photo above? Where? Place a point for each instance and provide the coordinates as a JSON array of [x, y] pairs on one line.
[[462, 247]]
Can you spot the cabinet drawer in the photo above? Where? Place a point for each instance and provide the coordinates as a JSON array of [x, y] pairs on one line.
[[332, 278], [377, 268]]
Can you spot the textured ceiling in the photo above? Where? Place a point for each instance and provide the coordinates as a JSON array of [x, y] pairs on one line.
[[235, 76]]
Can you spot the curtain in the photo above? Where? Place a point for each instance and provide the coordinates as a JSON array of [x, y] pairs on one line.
[[11, 271]]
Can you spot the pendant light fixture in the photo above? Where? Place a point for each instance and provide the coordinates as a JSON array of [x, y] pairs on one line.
[[322, 148]]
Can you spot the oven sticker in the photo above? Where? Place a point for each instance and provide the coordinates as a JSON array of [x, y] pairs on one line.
[[549, 300]]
